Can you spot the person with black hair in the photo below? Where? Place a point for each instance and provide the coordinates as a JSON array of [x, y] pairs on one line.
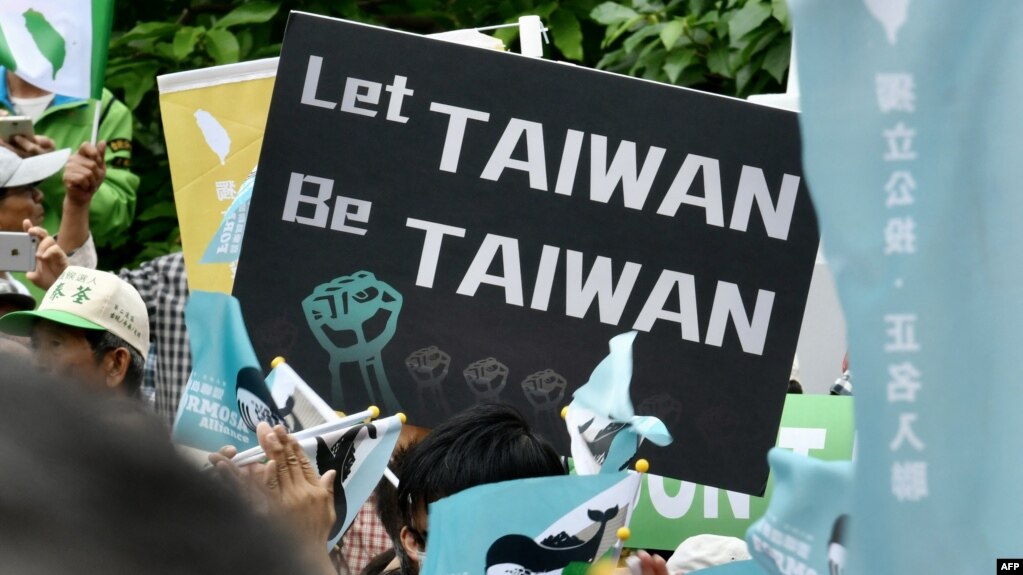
[[486, 443], [91, 326], [93, 486]]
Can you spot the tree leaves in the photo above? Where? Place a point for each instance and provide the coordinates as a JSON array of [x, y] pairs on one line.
[[610, 13], [567, 34], [222, 46], [728, 46], [248, 13], [777, 61], [748, 19], [734, 47], [185, 40], [671, 32]]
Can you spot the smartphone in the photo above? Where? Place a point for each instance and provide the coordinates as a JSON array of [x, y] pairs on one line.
[[17, 252], [11, 126]]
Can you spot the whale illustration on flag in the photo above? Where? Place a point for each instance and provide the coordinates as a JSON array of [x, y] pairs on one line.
[[605, 431], [549, 525], [360, 455]]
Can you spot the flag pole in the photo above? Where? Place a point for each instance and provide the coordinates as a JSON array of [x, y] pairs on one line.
[[95, 122]]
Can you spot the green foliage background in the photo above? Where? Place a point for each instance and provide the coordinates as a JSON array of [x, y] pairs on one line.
[[732, 47]]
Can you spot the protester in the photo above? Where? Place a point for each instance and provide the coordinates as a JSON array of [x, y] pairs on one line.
[[91, 326], [288, 488], [486, 443], [93, 487], [843, 385], [163, 286], [66, 122], [13, 299], [21, 206], [389, 514]]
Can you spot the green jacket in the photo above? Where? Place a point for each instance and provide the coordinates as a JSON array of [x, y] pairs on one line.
[[68, 121]]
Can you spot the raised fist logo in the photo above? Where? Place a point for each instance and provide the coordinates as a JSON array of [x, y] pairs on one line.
[[275, 337], [353, 318], [486, 378], [429, 368], [544, 390], [662, 406]]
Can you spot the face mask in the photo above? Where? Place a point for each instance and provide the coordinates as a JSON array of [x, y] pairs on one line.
[[422, 556]]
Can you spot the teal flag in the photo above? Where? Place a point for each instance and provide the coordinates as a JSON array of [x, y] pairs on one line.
[[225, 397], [553, 525], [604, 430], [360, 455], [226, 245], [911, 136], [804, 530]]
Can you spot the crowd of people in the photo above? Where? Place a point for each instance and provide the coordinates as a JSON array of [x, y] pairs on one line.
[[91, 464]]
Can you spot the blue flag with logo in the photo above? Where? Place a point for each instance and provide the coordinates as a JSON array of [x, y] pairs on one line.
[[554, 525], [226, 244], [225, 397], [805, 528], [912, 135], [604, 429], [360, 455]]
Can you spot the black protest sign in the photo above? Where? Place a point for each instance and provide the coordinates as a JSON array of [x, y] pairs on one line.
[[434, 225]]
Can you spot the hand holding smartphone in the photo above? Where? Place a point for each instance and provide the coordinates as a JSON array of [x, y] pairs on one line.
[[11, 126], [17, 251]]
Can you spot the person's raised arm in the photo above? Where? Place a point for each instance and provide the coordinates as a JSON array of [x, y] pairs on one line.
[[83, 175], [113, 207]]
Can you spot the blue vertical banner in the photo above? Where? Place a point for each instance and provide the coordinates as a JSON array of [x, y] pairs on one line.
[[912, 135]]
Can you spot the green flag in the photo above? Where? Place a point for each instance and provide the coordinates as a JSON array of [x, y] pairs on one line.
[[58, 45]]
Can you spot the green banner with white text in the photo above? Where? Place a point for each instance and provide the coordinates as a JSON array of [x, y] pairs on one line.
[[670, 510]]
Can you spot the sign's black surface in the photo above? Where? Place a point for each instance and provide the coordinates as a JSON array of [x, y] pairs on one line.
[[434, 225]]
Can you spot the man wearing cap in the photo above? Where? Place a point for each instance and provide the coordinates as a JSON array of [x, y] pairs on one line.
[[21, 201], [91, 326]]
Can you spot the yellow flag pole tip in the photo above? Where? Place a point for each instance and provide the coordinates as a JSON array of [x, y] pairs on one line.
[[564, 412], [401, 417], [374, 411], [642, 465], [624, 533], [277, 361]]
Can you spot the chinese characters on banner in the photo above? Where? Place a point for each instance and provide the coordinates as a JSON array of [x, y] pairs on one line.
[[912, 142], [896, 97]]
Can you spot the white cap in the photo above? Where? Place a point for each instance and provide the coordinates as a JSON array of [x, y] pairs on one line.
[[89, 299], [707, 550], [17, 171]]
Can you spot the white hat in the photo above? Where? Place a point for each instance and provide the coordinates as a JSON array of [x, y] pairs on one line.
[[17, 171], [707, 550], [89, 299]]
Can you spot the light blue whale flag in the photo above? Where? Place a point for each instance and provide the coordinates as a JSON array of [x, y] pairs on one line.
[[912, 140], [539, 525], [604, 429], [805, 528], [360, 455], [225, 397]]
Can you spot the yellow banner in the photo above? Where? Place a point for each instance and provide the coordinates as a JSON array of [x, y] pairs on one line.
[[213, 121]]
